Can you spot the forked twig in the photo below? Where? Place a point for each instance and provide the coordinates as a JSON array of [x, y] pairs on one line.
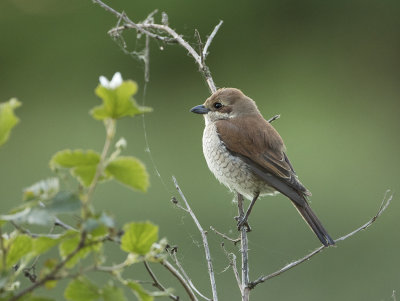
[[205, 241], [153, 30]]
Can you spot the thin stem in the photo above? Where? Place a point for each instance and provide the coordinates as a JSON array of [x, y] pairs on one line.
[[110, 125], [232, 263], [205, 242], [385, 203], [244, 250], [188, 280], [180, 278], [157, 283], [274, 118], [210, 38], [235, 241]]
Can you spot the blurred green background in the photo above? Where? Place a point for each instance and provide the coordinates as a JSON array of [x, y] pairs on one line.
[[330, 68]]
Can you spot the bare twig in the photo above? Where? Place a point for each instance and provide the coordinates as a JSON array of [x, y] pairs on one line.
[[210, 38], [157, 283], [205, 242], [232, 263], [235, 241], [244, 250], [180, 278], [385, 203], [274, 118], [58, 222], [188, 280], [152, 30]]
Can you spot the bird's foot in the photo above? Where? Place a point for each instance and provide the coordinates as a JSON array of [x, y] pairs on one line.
[[242, 222]]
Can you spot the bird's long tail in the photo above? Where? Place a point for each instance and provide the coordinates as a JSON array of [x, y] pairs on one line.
[[314, 223]]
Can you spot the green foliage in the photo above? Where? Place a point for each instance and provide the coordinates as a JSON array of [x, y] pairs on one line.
[[139, 292], [118, 102], [19, 247], [7, 118], [82, 289], [43, 244], [139, 237], [113, 293], [129, 171], [40, 211], [82, 164], [71, 243], [80, 246]]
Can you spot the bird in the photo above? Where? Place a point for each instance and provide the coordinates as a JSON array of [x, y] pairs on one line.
[[247, 154]]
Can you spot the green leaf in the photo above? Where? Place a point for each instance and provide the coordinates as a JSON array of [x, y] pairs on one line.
[[44, 189], [113, 293], [95, 227], [7, 118], [83, 164], [139, 237], [82, 289], [34, 216], [118, 102], [19, 247], [64, 202], [43, 244], [70, 244], [129, 171], [139, 291]]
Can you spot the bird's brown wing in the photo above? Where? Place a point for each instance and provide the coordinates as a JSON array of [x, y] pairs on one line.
[[259, 144]]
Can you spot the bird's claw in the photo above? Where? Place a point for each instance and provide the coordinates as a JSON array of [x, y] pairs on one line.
[[242, 222]]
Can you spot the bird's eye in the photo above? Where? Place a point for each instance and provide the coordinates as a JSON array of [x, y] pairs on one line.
[[218, 105]]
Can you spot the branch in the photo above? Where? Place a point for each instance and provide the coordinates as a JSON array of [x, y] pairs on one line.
[[205, 242], [180, 278], [274, 118], [232, 263], [188, 280], [157, 283], [235, 241], [53, 273], [385, 203], [244, 250], [210, 38], [150, 29]]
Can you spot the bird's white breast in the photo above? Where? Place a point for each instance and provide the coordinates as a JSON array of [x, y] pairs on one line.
[[228, 169]]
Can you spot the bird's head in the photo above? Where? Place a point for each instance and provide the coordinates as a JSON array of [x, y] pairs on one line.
[[226, 103]]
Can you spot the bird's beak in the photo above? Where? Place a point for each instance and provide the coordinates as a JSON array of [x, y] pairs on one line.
[[200, 109]]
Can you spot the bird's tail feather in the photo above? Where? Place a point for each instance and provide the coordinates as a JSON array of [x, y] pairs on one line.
[[314, 223]]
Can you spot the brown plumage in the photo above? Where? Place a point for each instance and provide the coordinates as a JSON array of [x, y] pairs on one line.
[[235, 130]]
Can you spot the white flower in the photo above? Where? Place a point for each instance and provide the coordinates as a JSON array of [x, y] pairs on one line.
[[115, 82], [121, 144]]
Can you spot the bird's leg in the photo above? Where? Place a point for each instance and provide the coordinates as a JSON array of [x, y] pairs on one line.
[[242, 221]]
